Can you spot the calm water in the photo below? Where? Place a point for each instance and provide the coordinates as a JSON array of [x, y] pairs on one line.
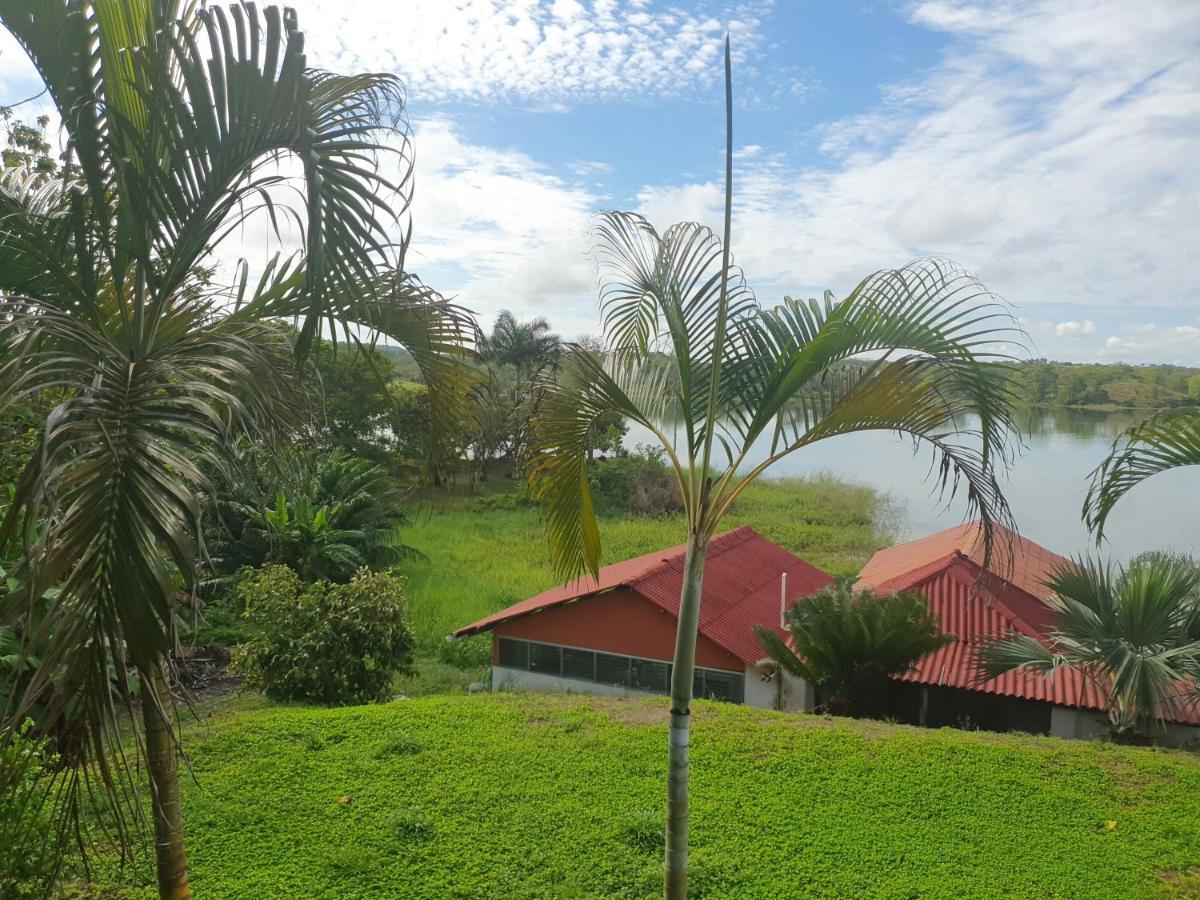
[[1045, 487]]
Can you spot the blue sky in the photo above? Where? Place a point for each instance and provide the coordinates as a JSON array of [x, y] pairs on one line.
[[1051, 146]]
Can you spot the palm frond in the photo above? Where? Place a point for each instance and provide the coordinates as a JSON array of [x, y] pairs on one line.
[[1166, 441]]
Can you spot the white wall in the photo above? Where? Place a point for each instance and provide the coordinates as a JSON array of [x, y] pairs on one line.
[[797, 695], [1088, 724]]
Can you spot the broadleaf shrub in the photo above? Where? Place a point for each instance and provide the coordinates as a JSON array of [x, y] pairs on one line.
[[640, 484], [336, 644]]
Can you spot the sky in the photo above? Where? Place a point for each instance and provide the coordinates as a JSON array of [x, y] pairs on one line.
[[1052, 147]]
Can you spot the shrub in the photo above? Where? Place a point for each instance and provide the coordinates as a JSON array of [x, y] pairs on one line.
[[850, 644], [335, 644], [28, 855], [640, 484]]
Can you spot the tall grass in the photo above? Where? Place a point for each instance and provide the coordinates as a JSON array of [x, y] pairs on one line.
[[485, 554]]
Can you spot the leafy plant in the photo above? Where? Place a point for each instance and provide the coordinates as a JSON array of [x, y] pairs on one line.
[[909, 350], [29, 844], [324, 514], [849, 644], [1132, 631], [335, 644], [1169, 440], [640, 484], [175, 132]]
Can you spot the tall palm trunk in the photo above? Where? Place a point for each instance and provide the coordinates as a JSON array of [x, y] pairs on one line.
[[682, 672], [162, 760]]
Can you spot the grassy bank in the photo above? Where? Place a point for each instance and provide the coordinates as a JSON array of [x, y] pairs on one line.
[[485, 553], [538, 796]]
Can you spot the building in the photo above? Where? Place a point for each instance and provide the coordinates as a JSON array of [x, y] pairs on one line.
[[944, 687], [616, 634]]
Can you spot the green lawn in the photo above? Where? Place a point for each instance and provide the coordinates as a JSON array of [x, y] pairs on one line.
[[555, 796], [484, 555]]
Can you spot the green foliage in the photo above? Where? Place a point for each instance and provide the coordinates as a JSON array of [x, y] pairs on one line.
[[849, 644], [324, 514], [1043, 383], [326, 643], [540, 796], [638, 484], [1133, 631], [28, 851]]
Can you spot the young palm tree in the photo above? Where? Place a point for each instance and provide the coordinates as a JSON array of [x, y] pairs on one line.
[[905, 351], [179, 120], [1134, 632], [1166, 441], [850, 644]]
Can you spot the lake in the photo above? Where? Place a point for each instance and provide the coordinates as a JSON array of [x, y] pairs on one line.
[[1045, 487]]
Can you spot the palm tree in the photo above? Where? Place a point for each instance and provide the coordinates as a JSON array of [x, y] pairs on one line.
[[905, 351], [1165, 441], [180, 121], [850, 644], [526, 346], [1134, 632]]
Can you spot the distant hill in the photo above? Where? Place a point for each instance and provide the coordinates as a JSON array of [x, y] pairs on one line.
[[1046, 383]]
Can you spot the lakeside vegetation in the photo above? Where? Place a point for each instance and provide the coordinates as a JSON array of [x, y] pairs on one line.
[[1044, 383], [512, 796]]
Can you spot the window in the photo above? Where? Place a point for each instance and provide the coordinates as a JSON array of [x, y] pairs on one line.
[[650, 675], [514, 654], [580, 664], [612, 669], [545, 658]]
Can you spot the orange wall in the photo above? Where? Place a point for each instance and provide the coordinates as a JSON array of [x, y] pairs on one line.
[[620, 621]]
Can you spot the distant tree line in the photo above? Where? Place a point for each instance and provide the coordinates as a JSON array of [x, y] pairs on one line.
[[1044, 383]]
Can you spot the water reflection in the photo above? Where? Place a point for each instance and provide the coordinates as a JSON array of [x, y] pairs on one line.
[[1046, 486]]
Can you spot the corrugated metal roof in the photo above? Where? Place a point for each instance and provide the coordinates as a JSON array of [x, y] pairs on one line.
[[1016, 559], [973, 614], [741, 588]]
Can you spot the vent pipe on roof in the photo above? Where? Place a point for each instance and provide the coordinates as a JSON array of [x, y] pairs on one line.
[[783, 602]]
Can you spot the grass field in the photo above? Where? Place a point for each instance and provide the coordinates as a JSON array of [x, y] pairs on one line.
[[485, 553], [515, 796]]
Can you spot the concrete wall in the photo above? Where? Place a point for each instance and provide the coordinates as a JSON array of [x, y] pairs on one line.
[[1087, 724], [797, 695]]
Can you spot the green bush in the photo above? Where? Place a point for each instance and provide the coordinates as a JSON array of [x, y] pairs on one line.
[[336, 644], [28, 854], [640, 484]]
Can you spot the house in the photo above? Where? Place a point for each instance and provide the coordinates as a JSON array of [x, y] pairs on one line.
[[616, 634], [944, 687]]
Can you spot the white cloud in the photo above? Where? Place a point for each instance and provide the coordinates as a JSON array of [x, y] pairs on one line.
[[488, 50], [513, 233], [1146, 341], [1086, 328], [1052, 151]]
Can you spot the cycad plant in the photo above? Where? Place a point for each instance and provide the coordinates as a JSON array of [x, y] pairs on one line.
[[1133, 631], [907, 350], [850, 644], [181, 122]]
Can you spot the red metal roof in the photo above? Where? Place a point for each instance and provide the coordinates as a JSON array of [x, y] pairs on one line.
[[1016, 559], [741, 588], [974, 610]]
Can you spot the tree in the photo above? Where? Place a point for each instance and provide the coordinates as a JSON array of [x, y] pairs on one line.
[[906, 350], [1134, 632], [177, 117], [850, 644], [528, 347], [1165, 441]]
